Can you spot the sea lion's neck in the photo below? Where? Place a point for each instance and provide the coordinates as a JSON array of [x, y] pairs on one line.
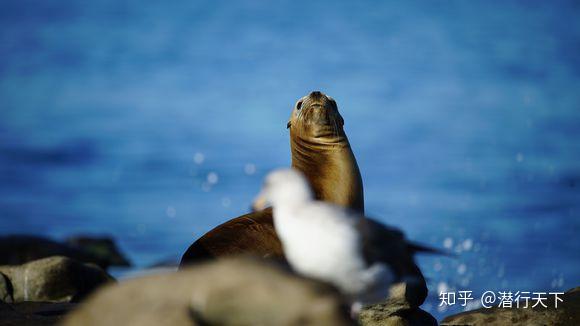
[[331, 168]]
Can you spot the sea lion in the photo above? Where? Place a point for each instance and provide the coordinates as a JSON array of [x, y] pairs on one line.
[[321, 150]]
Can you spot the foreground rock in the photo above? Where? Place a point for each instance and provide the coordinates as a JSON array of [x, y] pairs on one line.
[[20, 249], [395, 312], [567, 313], [227, 292], [53, 279]]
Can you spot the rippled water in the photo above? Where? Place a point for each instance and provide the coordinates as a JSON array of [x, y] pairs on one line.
[[154, 123]]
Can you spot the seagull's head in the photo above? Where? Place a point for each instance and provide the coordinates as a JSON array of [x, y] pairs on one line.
[[285, 187]]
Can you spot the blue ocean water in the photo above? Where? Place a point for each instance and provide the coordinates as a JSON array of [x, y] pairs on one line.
[[154, 122]]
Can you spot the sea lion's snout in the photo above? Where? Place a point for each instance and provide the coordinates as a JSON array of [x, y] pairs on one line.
[[316, 94], [317, 99], [317, 114]]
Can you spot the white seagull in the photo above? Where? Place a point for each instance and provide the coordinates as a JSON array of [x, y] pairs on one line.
[[359, 256]]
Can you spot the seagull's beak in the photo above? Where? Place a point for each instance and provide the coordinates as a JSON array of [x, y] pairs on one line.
[[260, 202]]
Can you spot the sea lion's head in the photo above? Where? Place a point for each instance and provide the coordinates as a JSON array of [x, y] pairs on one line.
[[316, 116], [321, 150]]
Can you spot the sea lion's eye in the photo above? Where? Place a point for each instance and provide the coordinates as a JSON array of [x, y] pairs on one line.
[[299, 105]]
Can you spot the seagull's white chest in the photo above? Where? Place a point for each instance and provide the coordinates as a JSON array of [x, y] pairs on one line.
[[320, 244]]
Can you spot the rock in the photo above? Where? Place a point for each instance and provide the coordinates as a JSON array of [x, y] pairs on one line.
[[4, 307], [20, 249], [43, 308], [104, 248], [54, 279], [567, 313], [232, 291], [412, 292], [11, 317], [5, 289], [33, 313], [395, 312]]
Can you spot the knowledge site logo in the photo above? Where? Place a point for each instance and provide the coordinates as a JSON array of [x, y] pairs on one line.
[[500, 299]]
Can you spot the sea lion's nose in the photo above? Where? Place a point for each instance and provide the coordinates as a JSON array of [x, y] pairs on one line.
[[316, 94]]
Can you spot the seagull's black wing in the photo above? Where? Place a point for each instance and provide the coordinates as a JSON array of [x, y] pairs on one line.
[[382, 243], [386, 244]]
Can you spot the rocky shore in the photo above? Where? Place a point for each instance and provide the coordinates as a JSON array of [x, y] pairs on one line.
[[41, 279], [61, 290], [54, 279], [567, 313]]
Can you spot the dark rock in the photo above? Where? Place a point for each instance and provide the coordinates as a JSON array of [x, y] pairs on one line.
[[20, 249], [33, 313], [55, 279], [567, 313], [412, 292], [104, 248], [395, 312], [5, 289], [223, 292], [4, 307], [46, 309]]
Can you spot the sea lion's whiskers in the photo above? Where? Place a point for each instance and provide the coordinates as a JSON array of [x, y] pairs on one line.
[[300, 114], [307, 115], [334, 126], [336, 133]]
